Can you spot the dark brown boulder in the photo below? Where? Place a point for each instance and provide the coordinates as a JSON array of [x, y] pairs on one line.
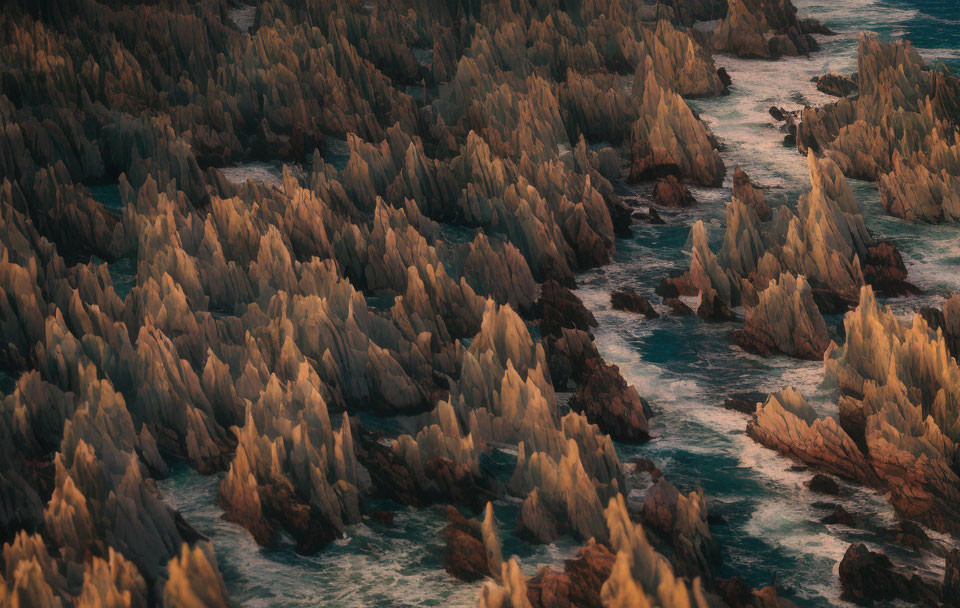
[[629, 300], [558, 307], [464, 556], [911, 534], [384, 518], [678, 308], [612, 404], [578, 586], [647, 215], [823, 484], [837, 85], [669, 192], [567, 356], [753, 343], [866, 576], [840, 516], [660, 507], [884, 269], [712, 309], [745, 403]]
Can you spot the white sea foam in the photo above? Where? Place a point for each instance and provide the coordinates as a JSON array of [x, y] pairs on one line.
[[266, 173]]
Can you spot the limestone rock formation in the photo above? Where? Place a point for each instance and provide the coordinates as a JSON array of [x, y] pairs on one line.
[[668, 139], [195, 580], [826, 242]]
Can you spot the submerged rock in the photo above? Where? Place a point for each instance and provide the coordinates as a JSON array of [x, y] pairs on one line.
[[823, 484], [835, 84], [629, 300]]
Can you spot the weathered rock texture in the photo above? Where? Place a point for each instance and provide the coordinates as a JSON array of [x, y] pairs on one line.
[[896, 427], [901, 130]]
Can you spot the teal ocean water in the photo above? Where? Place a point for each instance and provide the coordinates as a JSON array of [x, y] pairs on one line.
[[770, 531]]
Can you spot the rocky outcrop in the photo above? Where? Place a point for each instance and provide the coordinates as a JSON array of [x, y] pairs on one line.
[[578, 585], [629, 300], [472, 549], [244, 328], [900, 130], [786, 320], [195, 580], [641, 576], [835, 84], [826, 242], [682, 518], [750, 194], [605, 398], [669, 192], [896, 426], [668, 139], [867, 577]]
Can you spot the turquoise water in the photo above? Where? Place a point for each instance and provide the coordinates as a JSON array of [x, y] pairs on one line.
[[684, 367]]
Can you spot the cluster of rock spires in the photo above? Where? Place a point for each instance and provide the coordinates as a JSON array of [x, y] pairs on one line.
[[901, 129], [262, 319], [786, 268], [896, 427]]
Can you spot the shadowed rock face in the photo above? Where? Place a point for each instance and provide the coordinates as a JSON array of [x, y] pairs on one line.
[[867, 576], [900, 130]]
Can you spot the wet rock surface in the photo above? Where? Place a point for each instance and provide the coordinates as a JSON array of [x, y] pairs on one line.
[[629, 300]]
